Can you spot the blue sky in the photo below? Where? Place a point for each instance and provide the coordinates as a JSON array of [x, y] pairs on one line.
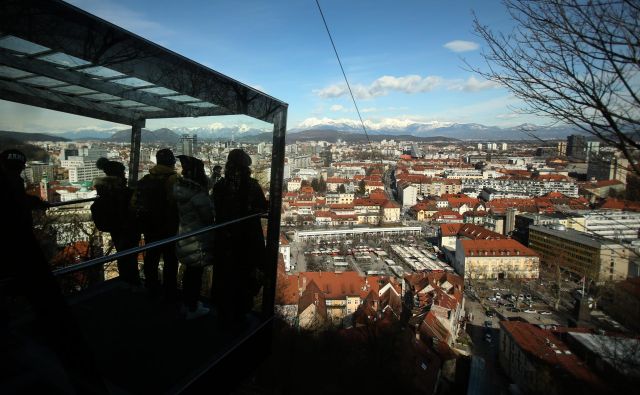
[[404, 59]]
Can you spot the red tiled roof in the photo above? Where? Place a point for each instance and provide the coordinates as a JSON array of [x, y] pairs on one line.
[[313, 295], [341, 285], [506, 247], [390, 204], [545, 347], [449, 229]]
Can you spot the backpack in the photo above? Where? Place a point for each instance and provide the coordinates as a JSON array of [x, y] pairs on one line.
[[151, 203], [109, 212]]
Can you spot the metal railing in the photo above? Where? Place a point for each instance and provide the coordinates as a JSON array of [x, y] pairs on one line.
[[70, 202], [137, 250]]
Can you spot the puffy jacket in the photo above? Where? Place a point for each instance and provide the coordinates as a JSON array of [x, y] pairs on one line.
[[195, 211]]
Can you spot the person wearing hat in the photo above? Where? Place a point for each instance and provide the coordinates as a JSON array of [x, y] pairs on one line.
[[25, 268], [157, 216], [240, 247], [111, 214], [195, 211], [12, 163]]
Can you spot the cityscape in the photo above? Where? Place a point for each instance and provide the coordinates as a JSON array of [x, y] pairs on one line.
[[473, 244], [419, 211]]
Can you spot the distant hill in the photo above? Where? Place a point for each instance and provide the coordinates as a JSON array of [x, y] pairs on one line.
[[31, 151], [156, 136], [20, 136], [333, 135]]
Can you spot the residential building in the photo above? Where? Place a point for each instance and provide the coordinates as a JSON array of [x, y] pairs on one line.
[[580, 253], [495, 259], [538, 361], [408, 194]]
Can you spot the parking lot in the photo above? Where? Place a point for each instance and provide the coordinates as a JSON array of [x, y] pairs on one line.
[[365, 256], [495, 300]]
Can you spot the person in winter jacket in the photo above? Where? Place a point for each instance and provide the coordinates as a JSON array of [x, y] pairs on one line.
[[124, 233], [154, 193], [240, 247], [195, 211]]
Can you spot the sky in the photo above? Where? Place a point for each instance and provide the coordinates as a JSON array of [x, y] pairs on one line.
[[405, 60]]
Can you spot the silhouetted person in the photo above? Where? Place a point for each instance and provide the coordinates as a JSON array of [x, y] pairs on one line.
[[195, 211], [111, 213], [157, 215], [216, 175], [240, 247], [24, 271]]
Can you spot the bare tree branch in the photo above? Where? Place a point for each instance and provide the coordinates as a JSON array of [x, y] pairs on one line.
[[574, 61]]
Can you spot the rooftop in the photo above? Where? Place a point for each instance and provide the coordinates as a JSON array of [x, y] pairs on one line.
[[575, 236]]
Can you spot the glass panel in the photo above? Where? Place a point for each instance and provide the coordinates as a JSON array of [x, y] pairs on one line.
[[159, 90], [126, 103], [103, 97], [75, 90], [203, 104], [132, 82], [42, 81], [149, 108], [19, 45], [10, 72], [182, 98], [63, 59], [99, 71]]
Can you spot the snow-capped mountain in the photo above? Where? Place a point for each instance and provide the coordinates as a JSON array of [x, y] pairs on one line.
[[463, 131]]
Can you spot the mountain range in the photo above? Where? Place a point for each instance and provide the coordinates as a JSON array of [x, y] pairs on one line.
[[329, 130]]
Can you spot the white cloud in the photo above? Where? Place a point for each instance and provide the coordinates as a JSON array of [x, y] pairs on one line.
[[472, 84], [382, 86], [409, 84], [461, 46], [217, 126], [337, 108]]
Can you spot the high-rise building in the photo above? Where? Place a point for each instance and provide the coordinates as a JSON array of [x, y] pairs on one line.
[[188, 145], [577, 146], [562, 148], [607, 167]]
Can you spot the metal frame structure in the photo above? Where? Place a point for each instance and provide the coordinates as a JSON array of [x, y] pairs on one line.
[[54, 55]]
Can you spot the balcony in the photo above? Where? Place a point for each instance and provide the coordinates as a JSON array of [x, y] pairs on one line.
[[56, 56]]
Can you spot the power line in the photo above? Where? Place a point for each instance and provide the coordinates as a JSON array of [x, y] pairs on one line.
[[346, 80]]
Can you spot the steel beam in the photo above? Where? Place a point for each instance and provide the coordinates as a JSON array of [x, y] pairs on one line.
[[134, 152], [42, 68], [275, 204], [65, 28], [22, 93]]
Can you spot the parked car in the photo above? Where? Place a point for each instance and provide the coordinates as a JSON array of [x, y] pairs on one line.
[[545, 312], [530, 311], [487, 337], [515, 310], [489, 313], [488, 324]]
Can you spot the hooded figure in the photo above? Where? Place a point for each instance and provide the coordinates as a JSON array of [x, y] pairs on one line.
[[111, 213], [195, 211], [240, 249]]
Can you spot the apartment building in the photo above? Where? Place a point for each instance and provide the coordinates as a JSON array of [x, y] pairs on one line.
[[580, 253]]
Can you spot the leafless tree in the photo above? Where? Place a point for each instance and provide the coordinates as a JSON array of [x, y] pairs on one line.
[[575, 61]]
